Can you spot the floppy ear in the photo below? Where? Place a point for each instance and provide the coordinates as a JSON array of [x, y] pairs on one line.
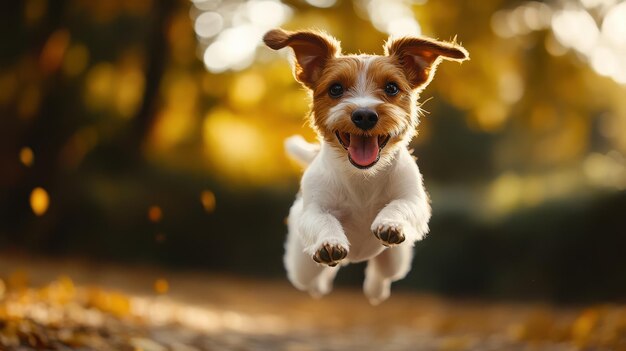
[[420, 57], [312, 50]]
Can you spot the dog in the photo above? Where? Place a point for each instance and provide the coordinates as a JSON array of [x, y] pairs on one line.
[[362, 196]]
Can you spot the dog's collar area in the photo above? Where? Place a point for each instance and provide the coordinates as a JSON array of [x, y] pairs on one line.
[[345, 143]]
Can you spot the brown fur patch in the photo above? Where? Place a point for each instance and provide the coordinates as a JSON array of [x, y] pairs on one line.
[[421, 56], [312, 51]]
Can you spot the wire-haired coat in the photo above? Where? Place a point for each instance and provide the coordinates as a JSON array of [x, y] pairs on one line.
[[362, 196]]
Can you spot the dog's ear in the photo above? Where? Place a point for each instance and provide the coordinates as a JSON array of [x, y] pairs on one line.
[[312, 51], [420, 57]]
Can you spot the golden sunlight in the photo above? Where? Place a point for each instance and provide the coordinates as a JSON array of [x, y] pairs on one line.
[[99, 85], [39, 201], [54, 50], [247, 90], [27, 157], [129, 88], [76, 60], [161, 286], [505, 193], [236, 146], [207, 198]]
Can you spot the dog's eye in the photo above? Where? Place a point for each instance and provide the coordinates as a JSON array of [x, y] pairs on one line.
[[391, 89], [335, 91]]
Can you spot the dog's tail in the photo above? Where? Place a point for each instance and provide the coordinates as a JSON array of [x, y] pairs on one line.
[[301, 150]]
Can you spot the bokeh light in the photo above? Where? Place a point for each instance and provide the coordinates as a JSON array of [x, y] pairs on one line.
[[207, 198], [594, 29], [161, 286], [208, 24], [54, 50], [39, 201], [322, 3], [76, 60], [393, 17], [238, 27], [27, 156], [155, 214]]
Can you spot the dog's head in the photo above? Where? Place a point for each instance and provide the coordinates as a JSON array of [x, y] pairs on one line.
[[364, 104]]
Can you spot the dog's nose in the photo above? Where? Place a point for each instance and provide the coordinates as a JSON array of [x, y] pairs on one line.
[[364, 118]]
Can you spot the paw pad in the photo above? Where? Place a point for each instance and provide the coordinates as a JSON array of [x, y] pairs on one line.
[[330, 254], [389, 236]]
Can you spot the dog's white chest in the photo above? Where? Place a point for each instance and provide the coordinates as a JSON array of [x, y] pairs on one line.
[[356, 214]]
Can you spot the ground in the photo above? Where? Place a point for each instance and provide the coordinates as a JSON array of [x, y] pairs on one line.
[[76, 305]]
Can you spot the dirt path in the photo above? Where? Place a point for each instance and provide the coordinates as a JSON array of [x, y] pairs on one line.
[[84, 306]]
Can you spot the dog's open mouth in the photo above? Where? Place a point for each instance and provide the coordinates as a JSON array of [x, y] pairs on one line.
[[363, 151]]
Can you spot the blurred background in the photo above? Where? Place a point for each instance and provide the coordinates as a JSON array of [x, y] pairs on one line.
[[150, 132]]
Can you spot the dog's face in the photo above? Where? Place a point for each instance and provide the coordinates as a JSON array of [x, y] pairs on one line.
[[364, 104]]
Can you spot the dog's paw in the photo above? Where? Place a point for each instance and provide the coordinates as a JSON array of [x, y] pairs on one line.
[[330, 254], [389, 235], [376, 290]]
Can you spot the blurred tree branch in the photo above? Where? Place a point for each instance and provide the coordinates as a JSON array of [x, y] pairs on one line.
[[157, 53]]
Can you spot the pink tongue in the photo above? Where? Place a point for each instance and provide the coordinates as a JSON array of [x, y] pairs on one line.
[[363, 150]]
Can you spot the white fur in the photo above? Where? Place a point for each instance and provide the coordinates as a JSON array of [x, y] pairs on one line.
[[342, 205], [300, 150], [364, 101], [362, 86]]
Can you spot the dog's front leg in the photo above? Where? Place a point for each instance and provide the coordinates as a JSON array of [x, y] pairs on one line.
[[323, 237], [402, 220]]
